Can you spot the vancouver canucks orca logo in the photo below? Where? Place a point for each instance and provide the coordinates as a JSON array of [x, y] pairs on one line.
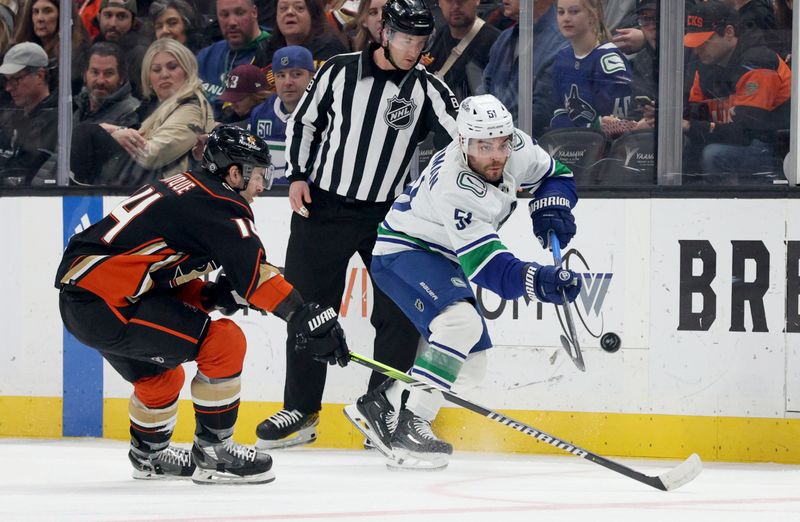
[[577, 107], [399, 113]]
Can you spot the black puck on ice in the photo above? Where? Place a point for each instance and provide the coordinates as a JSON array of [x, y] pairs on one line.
[[610, 342]]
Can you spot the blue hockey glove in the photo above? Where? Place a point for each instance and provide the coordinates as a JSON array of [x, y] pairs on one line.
[[545, 283], [552, 212]]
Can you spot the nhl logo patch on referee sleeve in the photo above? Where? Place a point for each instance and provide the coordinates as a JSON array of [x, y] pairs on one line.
[[399, 113]]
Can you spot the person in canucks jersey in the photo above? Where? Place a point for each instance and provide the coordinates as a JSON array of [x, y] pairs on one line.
[[440, 235], [591, 76]]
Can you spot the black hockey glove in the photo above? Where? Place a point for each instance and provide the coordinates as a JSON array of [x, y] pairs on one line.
[[221, 296], [317, 330]]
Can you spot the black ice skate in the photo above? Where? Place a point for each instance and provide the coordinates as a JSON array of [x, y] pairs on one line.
[[287, 428], [415, 446], [375, 417], [168, 463], [228, 462]]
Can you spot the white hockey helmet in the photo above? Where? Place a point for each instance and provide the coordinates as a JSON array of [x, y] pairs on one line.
[[482, 117]]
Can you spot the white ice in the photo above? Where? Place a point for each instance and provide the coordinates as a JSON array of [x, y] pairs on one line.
[[89, 480]]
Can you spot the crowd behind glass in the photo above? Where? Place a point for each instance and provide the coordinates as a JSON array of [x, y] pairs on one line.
[[150, 79]]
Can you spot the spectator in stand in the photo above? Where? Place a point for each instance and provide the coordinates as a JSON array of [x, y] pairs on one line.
[[459, 53], [757, 23], [246, 87], [645, 63], [28, 138], [498, 18], [783, 21], [106, 96], [302, 22], [293, 68], [118, 23], [591, 76], [38, 22], [739, 99], [173, 114], [178, 20], [6, 27], [365, 27], [501, 75], [244, 42]]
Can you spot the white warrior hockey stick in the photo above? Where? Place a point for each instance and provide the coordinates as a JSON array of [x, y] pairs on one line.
[[569, 341], [685, 472]]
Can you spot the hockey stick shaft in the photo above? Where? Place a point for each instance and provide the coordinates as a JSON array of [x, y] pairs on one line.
[[575, 354], [675, 478]]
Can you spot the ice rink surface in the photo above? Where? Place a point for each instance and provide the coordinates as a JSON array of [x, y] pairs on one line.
[[89, 480]]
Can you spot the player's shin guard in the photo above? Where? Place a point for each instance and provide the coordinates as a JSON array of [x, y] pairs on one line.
[[150, 454], [219, 459]]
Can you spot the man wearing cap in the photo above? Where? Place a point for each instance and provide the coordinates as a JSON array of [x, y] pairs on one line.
[[244, 42], [739, 98], [28, 137], [118, 23], [293, 68], [245, 87]]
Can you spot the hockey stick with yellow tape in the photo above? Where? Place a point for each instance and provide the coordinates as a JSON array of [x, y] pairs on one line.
[[674, 478]]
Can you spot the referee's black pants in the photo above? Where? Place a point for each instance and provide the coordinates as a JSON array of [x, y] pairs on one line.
[[317, 256]]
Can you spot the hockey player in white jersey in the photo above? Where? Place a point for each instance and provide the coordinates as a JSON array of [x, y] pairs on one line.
[[440, 234]]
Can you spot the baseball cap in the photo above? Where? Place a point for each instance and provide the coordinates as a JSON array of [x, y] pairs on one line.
[[130, 5], [705, 19], [242, 81], [292, 57], [643, 5], [26, 54]]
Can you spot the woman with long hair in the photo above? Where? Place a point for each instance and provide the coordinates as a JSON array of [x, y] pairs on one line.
[[591, 76], [178, 20], [365, 27], [38, 22], [174, 112], [302, 22]]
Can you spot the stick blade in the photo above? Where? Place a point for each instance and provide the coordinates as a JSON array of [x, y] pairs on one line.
[[577, 358], [682, 474]]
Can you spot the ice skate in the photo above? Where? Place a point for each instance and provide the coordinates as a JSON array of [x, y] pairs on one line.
[[415, 446], [375, 417], [286, 428], [228, 462], [167, 464]]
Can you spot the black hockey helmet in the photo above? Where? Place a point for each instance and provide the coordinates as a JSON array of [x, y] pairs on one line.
[[409, 17], [230, 145]]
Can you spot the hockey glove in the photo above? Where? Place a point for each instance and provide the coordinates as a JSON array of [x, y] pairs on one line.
[[221, 296], [552, 213], [317, 331], [546, 283]]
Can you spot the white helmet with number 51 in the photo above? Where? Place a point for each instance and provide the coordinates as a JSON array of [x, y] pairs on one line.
[[482, 117]]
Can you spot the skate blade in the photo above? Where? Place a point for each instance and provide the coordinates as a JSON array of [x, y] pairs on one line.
[[150, 475], [213, 477], [357, 420], [298, 438], [405, 460]]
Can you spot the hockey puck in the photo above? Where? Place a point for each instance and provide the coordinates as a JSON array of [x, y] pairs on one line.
[[610, 342]]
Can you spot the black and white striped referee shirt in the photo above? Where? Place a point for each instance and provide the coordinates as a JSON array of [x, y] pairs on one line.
[[357, 126]]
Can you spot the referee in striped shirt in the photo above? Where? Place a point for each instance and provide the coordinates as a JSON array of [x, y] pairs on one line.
[[349, 145]]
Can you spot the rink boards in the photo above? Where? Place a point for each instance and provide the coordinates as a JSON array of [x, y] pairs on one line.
[[703, 293]]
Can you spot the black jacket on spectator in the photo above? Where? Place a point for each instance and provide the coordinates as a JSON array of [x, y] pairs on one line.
[[28, 141], [465, 76], [645, 77], [757, 25], [119, 108]]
